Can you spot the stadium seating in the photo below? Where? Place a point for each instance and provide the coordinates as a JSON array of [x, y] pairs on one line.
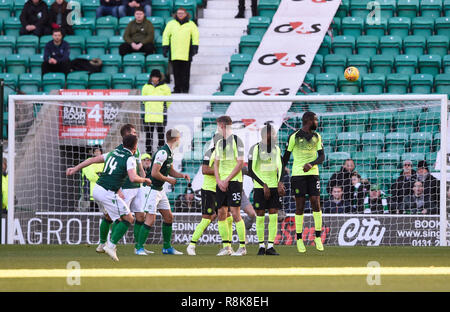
[[123, 81], [406, 64], [17, 64], [96, 45], [99, 81], [414, 45], [30, 83], [133, 63], [407, 8], [267, 7], [258, 25], [399, 26], [373, 83], [35, 64], [367, 45], [53, 81], [111, 63], [397, 83], [106, 26], [249, 44], [239, 63], [421, 83], [78, 80]]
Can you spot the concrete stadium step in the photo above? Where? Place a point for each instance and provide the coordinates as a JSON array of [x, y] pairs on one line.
[[204, 89], [223, 23], [207, 60], [217, 50], [225, 13], [219, 32], [208, 69], [217, 41], [205, 79], [225, 4]]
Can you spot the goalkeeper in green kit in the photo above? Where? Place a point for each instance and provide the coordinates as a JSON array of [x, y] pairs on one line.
[[306, 146]]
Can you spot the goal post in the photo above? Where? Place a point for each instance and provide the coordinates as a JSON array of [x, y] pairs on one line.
[[29, 116]]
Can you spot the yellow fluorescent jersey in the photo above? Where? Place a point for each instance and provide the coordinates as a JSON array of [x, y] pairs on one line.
[[228, 152], [304, 152], [266, 166], [209, 181]]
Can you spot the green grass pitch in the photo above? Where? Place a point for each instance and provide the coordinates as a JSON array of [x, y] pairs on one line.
[[14, 258]]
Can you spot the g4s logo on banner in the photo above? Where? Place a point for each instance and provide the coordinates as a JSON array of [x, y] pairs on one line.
[[266, 91], [283, 58], [299, 28]]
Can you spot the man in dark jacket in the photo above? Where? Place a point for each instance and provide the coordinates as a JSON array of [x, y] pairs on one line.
[[336, 203], [34, 18], [430, 183], [139, 35], [129, 6], [403, 186], [418, 202], [343, 178], [56, 55], [108, 7]]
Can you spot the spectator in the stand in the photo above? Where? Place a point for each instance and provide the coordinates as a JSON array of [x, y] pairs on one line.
[[108, 7], [376, 201], [181, 37], [57, 16], [155, 117], [89, 177], [336, 203], [241, 9], [146, 161], [128, 7], [139, 35], [359, 191], [4, 186], [402, 186], [343, 178], [34, 18], [430, 183], [56, 55], [188, 200], [418, 202]]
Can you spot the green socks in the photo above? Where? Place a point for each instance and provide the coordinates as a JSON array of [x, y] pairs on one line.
[[223, 231], [201, 227], [240, 229], [260, 229], [104, 230], [119, 231], [143, 235], [317, 222], [167, 234], [136, 230], [299, 225], [230, 228], [273, 228]]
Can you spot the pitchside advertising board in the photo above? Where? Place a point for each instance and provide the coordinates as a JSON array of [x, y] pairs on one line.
[[338, 230]]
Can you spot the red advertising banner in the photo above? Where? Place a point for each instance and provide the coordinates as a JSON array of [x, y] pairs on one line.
[[87, 120]]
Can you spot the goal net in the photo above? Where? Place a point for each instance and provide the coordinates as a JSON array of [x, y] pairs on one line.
[[383, 181]]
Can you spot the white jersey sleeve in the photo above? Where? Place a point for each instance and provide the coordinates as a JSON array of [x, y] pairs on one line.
[[131, 163], [104, 156], [161, 157]]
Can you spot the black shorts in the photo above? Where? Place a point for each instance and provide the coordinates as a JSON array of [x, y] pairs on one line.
[[208, 202], [260, 203], [305, 185], [230, 198]]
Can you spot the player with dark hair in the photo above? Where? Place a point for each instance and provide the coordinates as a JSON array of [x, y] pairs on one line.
[[306, 146]]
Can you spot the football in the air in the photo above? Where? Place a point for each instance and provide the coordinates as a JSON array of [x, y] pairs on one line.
[[351, 73]]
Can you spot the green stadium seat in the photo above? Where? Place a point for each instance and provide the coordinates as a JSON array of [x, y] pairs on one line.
[[352, 26], [430, 64], [367, 45], [114, 43], [96, 45], [111, 63], [421, 83], [438, 45], [399, 26], [89, 8], [6, 7], [335, 64], [11, 26], [53, 81], [332, 123], [413, 157], [319, 108], [344, 45], [431, 8], [406, 121], [328, 140], [326, 83], [377, 29], [336, 26], [239, 63], [249, 44], [123, 81], [387, 161], [422, 26], [157, 61], [99, 81], [268, 7], [388, 8], [420, 142], [358, 8], [349, 87], [443, 26], [348, 142], [406, 64], [106, 26], [446, 64], [7, 45], [397, 83], [158, 24], [364, 161], [325, 46], [85, 28], [396, 142], [429, 121], [258, 25], [372, 142], [356, 122], [77, 45], [446, 7], [189, 5], [78, 80], [373, 83], [436, 142], [442, 83], [44, 40], [382, 64], [27, 45], [230, 82], [2, 63], [123, 23], [362, 62], [407, 8], [431, 158], [36, 63], [30, 83], [133, 63], [158, 45], [162, 8], [338, 158], [391, 45], [381, 122], [17, 64], [141, 80], [343, 9], [414, 45], [18, 7], [11, 83]]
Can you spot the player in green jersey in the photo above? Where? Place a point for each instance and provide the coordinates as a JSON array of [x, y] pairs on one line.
[[228, 163], [306, 146], [161, 172], [264, 166], [119, 164]]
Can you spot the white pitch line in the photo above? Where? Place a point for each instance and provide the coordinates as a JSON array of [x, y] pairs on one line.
[[226, 272]]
